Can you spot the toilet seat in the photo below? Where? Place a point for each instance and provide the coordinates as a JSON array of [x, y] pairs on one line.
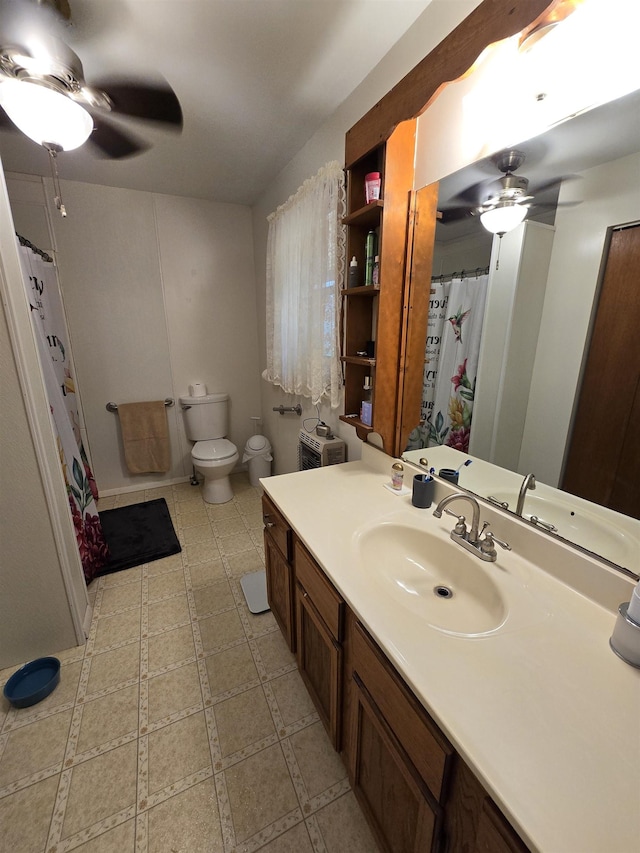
[[213, 450]]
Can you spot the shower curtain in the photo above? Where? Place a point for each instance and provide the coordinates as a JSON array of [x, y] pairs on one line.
[[456, 315], [50, 331]]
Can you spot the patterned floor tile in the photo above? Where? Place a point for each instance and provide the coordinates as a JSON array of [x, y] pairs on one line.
[[174, 691], [243, 721], [32, 749], [188, 821], [25, 817], [260, 793], [163, 734], [177, 751], [99, 789]]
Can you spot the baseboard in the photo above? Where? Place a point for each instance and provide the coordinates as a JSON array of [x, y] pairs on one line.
[[123, 490]]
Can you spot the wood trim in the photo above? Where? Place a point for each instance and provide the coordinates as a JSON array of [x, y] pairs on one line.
[[418, 735], [325, 599], [415, 313], [398, 181], [492, 21]]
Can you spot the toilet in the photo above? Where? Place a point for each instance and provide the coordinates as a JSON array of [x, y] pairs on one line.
[[213, 456]]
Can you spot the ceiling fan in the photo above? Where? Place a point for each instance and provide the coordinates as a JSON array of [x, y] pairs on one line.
[[43, 90], [508, 202]]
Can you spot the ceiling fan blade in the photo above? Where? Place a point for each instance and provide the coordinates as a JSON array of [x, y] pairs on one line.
[[113, 143], [5, 121], [454, 214], [154, 102]]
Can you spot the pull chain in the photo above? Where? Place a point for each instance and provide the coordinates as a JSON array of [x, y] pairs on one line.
[[53, 153], [498, 256]]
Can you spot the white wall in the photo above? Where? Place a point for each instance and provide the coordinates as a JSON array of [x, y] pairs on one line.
[[464, 253], [206, 261], [327, 144], [608, 195], [159, 293]]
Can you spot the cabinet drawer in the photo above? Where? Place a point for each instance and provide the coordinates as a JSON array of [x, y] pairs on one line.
[[325, 599], [277, 526], [427, 748]]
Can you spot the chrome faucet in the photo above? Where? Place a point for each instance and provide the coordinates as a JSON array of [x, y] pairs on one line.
[[471, 540], [529, 482], [475, 519]]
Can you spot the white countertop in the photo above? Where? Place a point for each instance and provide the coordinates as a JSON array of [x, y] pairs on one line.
[[542, 710]]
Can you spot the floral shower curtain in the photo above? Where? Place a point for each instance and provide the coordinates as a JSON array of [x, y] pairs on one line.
[[47, 317], [456, 315]]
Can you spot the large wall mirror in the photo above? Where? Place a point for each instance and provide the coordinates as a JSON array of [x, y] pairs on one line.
[[584, 183]]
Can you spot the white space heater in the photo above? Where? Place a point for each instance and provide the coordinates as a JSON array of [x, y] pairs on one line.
[[315, 451]]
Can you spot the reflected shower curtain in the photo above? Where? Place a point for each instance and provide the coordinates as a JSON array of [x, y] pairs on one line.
[[50, 330], [456, 316]]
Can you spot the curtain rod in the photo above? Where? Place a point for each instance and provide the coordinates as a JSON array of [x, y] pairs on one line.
[[29, 245], [477, 272]]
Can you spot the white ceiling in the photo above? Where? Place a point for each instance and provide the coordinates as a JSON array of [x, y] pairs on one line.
[[255, 78]]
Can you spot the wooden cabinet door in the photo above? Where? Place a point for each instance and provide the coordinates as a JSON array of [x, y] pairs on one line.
[[279, 589], [495, 835], [395, 800], [320, 663]]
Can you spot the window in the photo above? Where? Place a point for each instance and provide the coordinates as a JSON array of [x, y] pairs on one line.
[[305, 266]]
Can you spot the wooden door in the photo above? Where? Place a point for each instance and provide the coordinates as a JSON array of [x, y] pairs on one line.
[[603, 460]]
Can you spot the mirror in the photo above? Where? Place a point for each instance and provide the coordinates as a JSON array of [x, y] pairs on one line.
[[579, 166]]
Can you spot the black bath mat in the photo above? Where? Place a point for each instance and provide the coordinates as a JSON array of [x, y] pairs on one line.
[[136, 534]]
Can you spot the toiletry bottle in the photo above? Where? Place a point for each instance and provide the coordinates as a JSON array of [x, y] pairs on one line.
[[353, 272], [372, 187], [397, 475], [370, 254], [376, 270], [366, 408]]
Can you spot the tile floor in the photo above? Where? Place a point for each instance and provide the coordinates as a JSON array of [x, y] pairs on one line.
[[182, 724]]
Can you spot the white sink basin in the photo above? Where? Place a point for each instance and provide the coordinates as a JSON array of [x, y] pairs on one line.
[[577, 524], [433, 578]]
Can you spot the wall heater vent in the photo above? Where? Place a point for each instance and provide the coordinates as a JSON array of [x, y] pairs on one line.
[[316, 451]]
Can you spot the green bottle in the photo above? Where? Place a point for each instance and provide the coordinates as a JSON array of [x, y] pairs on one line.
[[370, 251]]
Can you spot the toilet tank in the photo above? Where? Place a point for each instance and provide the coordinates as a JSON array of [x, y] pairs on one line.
[[205, 417]]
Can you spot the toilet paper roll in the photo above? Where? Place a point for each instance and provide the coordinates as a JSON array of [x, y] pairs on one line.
[[198, 389]]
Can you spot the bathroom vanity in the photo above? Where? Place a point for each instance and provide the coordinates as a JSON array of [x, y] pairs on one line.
[[494, 719]]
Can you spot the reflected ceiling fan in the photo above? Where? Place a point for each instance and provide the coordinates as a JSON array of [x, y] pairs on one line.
[[43, 91], [508, 201]]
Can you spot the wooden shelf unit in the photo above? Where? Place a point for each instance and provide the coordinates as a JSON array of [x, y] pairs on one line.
[[375, 312]]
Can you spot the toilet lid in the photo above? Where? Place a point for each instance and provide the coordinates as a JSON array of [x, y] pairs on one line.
[[213, 449]]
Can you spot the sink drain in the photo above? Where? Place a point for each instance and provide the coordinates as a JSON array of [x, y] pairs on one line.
[[443, 591]]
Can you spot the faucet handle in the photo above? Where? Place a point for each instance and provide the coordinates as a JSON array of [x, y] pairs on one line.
[[461, 527], [488, 545]]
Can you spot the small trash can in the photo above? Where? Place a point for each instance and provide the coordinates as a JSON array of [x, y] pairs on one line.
[[257, 453]]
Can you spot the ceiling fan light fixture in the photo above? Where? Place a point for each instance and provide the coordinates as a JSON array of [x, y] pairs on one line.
[[504, 217], [45, 115]]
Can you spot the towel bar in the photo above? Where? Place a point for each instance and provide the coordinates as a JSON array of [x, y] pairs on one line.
[[282, 409], [113, 407]]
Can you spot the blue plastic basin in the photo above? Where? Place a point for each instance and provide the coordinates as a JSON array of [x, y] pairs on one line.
[[33, 682]]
